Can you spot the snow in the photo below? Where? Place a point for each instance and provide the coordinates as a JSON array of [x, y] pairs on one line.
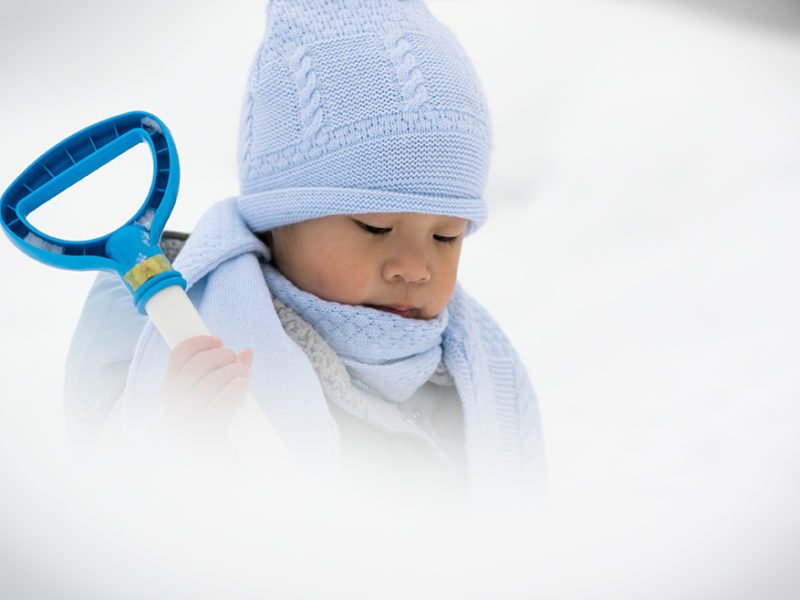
[[150, 125], [146, 219], [640, 253], [37, 242]]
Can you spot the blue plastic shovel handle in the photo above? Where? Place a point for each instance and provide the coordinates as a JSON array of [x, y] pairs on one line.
[[132, 250]]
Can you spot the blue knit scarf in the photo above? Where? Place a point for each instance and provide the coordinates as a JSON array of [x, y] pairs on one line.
[[224, 264], [386, 354]]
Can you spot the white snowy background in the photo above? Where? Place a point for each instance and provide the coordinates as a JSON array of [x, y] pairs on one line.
[[641, 255]]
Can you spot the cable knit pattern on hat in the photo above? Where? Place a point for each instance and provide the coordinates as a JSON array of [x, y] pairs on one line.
[[408, 73], [364, 107], [306, 80]]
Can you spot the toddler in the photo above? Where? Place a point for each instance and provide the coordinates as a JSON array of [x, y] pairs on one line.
[[364, 151]]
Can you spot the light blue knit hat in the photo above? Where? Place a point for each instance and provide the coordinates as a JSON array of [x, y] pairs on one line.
[[358, 106]]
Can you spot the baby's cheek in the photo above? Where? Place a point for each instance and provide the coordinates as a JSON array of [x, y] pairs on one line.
[[339, 282], [445, 291]]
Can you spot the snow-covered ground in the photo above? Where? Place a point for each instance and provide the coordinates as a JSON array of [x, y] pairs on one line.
[[640, 254]]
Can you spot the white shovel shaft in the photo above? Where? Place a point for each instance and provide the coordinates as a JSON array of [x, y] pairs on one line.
[[174, 315]]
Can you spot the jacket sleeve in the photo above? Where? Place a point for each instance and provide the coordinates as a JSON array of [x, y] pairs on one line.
[[100, 353]]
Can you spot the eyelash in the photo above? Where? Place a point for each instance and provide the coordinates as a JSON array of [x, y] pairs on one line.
[[384, 230]]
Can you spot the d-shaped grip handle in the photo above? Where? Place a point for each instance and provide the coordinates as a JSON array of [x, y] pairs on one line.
[[131, 250]]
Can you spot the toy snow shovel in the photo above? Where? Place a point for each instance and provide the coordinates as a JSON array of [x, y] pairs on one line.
[[132, 250]]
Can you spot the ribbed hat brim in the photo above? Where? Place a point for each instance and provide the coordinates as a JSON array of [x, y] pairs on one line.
[[268, 209]]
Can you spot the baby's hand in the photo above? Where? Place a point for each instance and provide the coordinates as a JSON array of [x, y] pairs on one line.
[[205, 383]]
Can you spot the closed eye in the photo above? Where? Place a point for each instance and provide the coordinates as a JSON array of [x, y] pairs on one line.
[[446, 240], [384, 230], [371, 229]]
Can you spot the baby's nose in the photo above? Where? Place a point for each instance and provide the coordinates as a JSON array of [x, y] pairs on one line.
[[409, 266]]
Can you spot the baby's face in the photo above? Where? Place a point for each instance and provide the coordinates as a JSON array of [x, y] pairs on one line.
[[406, 263]]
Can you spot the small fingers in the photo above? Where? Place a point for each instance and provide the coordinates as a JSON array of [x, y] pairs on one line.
[[202, 364], [212, 384], [246, 357], [184, 351], [205, 380]]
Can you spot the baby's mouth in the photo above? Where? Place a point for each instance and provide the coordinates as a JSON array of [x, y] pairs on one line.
[[403, 311]]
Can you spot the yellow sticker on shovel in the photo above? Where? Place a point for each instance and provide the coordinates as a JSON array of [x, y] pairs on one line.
[[146, 270]]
